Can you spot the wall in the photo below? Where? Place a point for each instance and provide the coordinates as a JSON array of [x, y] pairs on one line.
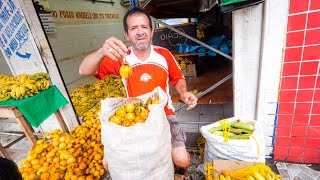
[[298, 123], [4, 68], [247, 32], [273, 40], [77, 37]]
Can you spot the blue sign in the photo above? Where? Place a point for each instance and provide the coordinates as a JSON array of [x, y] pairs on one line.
[[13, 29]]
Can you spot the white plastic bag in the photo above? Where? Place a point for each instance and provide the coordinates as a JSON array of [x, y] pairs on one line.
[[251, 150], [142, 151]]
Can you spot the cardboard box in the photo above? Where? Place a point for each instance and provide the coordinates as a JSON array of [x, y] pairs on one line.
[[229, 165], [190, 71]]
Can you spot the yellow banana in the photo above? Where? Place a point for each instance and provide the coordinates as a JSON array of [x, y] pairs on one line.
[[222, 177], [23, 78], [13, 86], [30, 86], [29, 81], [13, 92], [18, 92], [250, 177], [13, 83], [227, 177], [22, 90], [258, 176], [268, 177], [47, 84]]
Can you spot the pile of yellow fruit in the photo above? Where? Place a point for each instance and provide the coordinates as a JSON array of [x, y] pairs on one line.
[[22, 86], [255, 172], [132, 113], [62, 155], [89, 95]]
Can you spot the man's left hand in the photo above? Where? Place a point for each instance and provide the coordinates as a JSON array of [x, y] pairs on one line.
[[189, 98]]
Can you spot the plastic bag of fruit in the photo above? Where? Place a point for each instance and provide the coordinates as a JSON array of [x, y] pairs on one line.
[[136, 137], [248, 146]]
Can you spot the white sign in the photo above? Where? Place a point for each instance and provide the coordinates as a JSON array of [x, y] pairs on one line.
[[14, 32], [47, 22]]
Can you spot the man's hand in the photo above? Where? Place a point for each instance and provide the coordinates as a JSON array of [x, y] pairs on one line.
[[189, 98], [114, 49]]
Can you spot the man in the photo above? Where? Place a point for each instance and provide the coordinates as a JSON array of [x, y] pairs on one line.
[[9, 170], [152, 66]]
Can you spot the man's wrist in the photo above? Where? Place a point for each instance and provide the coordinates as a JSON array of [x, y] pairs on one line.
[[183, 91]]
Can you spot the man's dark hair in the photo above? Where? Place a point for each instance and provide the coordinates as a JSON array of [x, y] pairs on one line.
[[9, 170], [135, 10]]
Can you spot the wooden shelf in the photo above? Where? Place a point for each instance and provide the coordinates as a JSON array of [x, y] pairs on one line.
[[175, 54]]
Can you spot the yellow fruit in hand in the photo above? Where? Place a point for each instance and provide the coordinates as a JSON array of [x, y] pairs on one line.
[[129, 108], [115, 119], [125, 70]]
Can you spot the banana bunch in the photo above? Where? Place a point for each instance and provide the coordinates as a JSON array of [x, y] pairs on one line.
[[22, 86], [5, 78], [184, 61], [42, 80], [5, 93], [201, 30], [89, 95], [38, 76]]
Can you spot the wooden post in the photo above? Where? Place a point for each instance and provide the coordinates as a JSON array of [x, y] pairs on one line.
[[25, 126], [61, 121], [3, 152]]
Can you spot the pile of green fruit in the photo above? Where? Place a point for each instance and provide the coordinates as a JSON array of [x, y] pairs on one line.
[[233, 130], [89, 95]]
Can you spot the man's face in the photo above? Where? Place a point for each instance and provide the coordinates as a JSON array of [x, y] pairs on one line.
[[139, 31]]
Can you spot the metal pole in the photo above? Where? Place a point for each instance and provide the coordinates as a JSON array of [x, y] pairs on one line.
[[192, 38], [208, 90], [145, 3]]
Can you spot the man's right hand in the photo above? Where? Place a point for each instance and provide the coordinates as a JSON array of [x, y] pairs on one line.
[[114, 49]]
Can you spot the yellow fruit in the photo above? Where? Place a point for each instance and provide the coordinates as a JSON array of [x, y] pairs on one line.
[[130, 117], [144, 114], [125, 70], [116, 120], [121, 112], [156, 101], [129, 108], [138, 119]]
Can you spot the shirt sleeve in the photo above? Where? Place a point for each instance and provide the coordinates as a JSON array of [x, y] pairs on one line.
[[108, 67], [175, 73]]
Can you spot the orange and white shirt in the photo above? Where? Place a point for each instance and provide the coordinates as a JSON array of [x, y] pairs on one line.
[[158, 70]]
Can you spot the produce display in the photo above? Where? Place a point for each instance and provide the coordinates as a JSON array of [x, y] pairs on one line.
[[255, 172], [132, 113], [22, 86], [89, 95], [63, 155], [235, 130], [184, 61]]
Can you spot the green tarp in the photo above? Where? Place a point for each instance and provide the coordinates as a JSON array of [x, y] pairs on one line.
[[227, 2], [39, 107]]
